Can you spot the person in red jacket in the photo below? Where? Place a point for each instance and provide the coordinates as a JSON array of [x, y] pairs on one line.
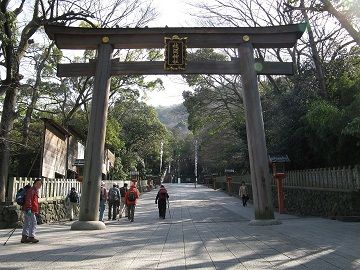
[[30, 208], [131, 197]]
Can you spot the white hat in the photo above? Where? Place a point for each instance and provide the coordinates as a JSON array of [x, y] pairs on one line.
[[115, 184], [102, 183]]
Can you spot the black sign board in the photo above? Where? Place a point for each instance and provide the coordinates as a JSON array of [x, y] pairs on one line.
[[175, 53], [279, 158]]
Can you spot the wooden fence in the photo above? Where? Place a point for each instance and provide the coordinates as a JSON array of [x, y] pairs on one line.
[[51, 189], [345, 178], [55, 189]]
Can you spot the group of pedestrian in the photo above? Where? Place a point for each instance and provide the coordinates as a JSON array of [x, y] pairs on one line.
[[124, 199], [120, 201]]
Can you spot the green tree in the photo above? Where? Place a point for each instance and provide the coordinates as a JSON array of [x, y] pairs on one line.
[[15, 36], [141, 133]]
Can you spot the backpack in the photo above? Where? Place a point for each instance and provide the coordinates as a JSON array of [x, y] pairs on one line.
[[73, 196], [132, 196], [20, 195], [102, 195], [122, 192], [113, 195], [162, 194]]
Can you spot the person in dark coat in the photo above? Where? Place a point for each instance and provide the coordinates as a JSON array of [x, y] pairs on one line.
[[161, 198]]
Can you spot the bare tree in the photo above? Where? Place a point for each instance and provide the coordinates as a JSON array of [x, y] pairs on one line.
[[14, 41], [345, 14]]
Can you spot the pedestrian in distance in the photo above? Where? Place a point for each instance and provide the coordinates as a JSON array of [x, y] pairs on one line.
[[123, 191], [74, 200], [243, 193], [131, 197], [31, 209], [113, 201], [103, 199], [118, 202], [161, 198]]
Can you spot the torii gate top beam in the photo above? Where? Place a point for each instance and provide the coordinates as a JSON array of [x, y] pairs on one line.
[[283, 36]]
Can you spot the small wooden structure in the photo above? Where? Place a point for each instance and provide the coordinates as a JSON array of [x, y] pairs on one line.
[[245, 39]]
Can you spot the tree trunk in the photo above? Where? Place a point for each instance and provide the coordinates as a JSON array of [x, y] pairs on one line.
[[6, 125], [35, 95], [27, 118], [319, 71], [344, 22]]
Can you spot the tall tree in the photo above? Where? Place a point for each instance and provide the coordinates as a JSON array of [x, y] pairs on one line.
[[15, 38]]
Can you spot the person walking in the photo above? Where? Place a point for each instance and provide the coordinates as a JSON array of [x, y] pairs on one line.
[[103, 199], [113, 201], [74, 200], [123, 191], [131, 197], [243, 193], [161, 199], [31, 209]]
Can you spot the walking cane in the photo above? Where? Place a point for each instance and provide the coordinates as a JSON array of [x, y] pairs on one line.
[[122, 211], [169, 208], [11, 233]]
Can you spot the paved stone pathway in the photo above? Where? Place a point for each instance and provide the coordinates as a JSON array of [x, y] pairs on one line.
[[207, 230]]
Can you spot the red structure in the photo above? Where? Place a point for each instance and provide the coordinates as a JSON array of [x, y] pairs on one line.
[[278, 168], [229, 173]]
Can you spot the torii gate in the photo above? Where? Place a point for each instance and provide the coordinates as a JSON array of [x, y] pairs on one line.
[[105, 40]]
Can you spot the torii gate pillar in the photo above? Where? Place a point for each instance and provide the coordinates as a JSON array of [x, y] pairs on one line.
[[94, 153], [259, 168]]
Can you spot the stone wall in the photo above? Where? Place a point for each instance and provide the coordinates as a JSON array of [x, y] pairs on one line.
[[50, 211], [9, 216], [310, 201], [320, 202]]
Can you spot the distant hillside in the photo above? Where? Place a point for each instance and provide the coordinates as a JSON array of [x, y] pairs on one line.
[[175, 118]]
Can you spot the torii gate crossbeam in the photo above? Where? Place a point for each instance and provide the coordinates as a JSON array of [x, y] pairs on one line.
[[245, 39]]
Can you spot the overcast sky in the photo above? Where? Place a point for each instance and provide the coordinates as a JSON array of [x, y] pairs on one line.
[[173, 13]]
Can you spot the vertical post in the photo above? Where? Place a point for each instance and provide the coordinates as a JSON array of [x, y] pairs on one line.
[[259, 166], [161, 156], [10, 190], [280, 192], [228, 181], [94, 153], [178, 170], [196, 162]]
